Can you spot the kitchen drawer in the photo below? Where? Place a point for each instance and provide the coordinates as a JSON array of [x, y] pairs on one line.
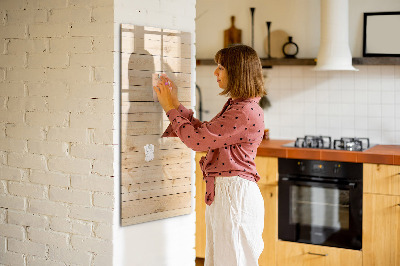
[[298, 254], [381, 179]]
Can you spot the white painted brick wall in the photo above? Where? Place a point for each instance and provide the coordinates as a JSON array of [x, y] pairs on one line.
[[56, 121]]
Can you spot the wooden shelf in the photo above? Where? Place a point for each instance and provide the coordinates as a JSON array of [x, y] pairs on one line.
[[312, 61], [376, 61]]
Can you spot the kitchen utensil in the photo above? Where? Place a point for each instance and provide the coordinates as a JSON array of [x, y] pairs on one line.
[[232, 35], [252, 9]]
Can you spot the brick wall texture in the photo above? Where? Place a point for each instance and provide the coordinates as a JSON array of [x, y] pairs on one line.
[[56, 127]]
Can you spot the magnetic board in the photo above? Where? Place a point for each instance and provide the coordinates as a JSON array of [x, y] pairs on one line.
[[155, 171]]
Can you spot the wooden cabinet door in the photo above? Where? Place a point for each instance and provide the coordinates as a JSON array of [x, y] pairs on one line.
[[267, 168], [381, 179], [270, 233], [297, 254], [381, 230], [200, 209]]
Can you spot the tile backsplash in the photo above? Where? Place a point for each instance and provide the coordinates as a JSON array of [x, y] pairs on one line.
[[365, 103]]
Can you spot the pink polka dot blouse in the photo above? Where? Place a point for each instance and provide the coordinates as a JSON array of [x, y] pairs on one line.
[[231, 139]]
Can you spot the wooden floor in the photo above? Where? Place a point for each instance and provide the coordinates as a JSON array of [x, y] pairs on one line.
[[199, 262]]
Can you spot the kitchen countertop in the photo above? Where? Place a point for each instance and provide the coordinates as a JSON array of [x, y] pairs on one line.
[[379, 154]]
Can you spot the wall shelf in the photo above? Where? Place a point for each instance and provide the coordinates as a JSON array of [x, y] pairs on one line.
[[312, 61]]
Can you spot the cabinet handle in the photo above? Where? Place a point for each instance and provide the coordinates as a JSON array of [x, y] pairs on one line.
[[318, 254]]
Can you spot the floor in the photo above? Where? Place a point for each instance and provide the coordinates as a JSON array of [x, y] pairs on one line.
[[199, 262]]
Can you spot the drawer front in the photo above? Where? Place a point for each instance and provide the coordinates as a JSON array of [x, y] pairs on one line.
[[293, 254], [381, 179]]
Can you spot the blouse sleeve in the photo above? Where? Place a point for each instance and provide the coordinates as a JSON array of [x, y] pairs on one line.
[[225, 130], [186, 113]]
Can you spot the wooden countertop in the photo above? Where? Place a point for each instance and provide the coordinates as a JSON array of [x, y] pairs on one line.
[[379, 154]]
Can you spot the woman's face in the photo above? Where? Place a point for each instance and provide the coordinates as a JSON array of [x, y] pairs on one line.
[[222, 76]]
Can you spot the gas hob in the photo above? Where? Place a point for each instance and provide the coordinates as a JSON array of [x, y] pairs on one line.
[[325, 142]]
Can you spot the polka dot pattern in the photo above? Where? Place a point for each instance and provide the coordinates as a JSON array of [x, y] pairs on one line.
[[231, 139]]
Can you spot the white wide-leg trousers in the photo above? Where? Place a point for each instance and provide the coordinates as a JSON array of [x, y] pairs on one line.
[[234, 223]]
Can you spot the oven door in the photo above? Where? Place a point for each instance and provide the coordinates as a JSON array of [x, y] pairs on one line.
[[321, 212]]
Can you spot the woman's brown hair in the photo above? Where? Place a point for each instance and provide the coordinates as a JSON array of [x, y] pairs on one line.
[[245, 78]]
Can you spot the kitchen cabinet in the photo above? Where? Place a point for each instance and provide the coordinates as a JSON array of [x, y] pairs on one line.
[[381, 215], [290, 253], [381, 179], [267, 167], [200, 209]]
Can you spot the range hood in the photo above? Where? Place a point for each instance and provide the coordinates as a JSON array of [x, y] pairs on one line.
[[334, 51]]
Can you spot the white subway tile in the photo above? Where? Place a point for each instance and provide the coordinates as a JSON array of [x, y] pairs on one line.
[[375, 136], [347, 122], [374, 111], [348, 132], [335, 95], [388, 84], [374, 124], [361, 124], [348, 96], [310, 109], [388, 110], [360, 133], [388, 124], [388, 97], [347, 109], [388, 137], [334, 108], [322, 109], [361, 110], [297, 84], [285, 84], [374, 97], [322, 121]]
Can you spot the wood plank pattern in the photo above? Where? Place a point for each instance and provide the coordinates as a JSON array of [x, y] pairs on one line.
[[161, 187]]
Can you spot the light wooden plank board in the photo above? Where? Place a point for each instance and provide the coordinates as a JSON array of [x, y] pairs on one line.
[[133, 77], [140, 174], [159, 187]]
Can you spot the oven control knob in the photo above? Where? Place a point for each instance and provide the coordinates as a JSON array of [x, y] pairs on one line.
[[302, 167], [336, 169]]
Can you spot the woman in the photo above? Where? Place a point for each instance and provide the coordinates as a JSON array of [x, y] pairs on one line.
[[235, 207]]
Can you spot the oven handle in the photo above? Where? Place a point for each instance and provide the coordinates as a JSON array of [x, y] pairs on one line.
[[297, 181]]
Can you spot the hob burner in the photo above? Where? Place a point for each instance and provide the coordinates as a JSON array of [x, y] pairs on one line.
[[324, 142]]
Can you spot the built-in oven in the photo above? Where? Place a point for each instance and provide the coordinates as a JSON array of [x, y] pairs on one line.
[[320, 202]]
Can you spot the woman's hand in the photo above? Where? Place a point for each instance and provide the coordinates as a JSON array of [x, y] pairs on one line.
[[174, 90], [164, 94]]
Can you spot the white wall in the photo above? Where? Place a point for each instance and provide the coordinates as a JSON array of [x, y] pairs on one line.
[[56, 118], [168, 241], [299, 18], [338, 104]]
